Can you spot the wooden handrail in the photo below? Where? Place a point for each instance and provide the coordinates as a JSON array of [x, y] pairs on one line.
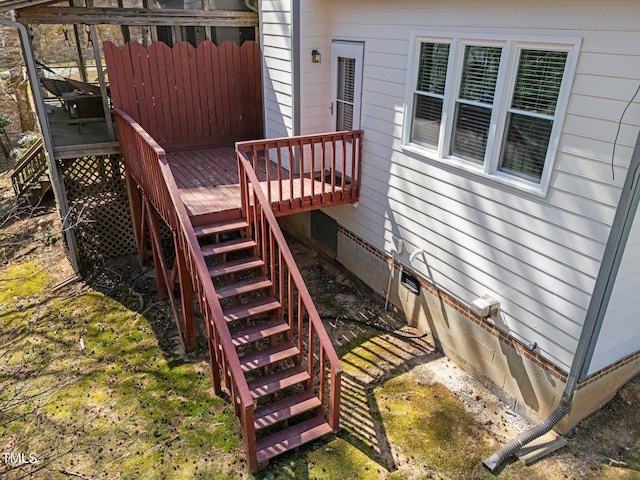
[[324, 167], [257, 208], [146, 162], [30, 168]]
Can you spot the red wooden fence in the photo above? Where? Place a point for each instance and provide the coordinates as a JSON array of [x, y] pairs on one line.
[[189, 96]]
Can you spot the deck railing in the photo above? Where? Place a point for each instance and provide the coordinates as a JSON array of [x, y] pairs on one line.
[[146, 163], [29, 169], [321, 360], [311, 170]]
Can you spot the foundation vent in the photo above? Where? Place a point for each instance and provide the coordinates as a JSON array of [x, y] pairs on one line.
[[410, 282]]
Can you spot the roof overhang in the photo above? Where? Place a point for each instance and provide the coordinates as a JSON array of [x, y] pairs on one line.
[[6, 5]]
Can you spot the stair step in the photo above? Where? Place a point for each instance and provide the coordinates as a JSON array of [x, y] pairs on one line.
[[253, 333], [235, 266], [228, 246], [276, 381], [290, 438], [251, 309], [268, 356], [284, 409], [245, 286], [222, 227]]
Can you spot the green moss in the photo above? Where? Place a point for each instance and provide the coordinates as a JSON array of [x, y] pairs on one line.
[[430, 426], [22, 281], [117, 406], [337, 459]]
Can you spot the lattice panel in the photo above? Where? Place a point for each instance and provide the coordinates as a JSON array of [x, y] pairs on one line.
[[99, 207]]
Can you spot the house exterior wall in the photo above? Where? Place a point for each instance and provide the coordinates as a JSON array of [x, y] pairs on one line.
[[314, 104], [620, 333], [538, 254], [276, 32]]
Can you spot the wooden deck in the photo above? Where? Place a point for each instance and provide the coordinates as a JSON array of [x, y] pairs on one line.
[[207, 179], [174, 109]]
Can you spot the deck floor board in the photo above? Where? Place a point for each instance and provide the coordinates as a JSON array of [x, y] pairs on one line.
[[207, 179]]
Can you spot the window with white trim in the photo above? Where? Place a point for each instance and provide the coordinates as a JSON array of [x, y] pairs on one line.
[[492, 106]]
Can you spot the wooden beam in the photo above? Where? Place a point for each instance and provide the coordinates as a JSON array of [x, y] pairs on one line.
[[79, 151], [134, 16]]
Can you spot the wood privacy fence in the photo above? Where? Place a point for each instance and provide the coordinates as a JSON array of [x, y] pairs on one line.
[[189, 96]]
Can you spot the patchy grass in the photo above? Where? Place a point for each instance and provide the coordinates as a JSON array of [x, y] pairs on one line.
[[431, 429], [85, 388], [92, 389]]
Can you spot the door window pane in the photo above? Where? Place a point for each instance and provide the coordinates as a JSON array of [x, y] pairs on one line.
[[346, 93]]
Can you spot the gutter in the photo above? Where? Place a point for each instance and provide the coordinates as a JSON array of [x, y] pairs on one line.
[[41, 112], [614, 250]]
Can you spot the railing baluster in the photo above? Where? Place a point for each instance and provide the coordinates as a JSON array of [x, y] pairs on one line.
[[279, 156], [354, 141], [312, 171], [343, 177], [323, 166], [309, 347], [291, 174], [301, 326], [301, 169], [323, 377], [333, 166], [290, 299]]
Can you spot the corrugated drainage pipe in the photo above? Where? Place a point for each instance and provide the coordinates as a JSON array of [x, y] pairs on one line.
[[495, 460]]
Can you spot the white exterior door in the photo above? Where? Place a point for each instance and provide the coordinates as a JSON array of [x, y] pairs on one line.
[[346, 84], [346, 91]]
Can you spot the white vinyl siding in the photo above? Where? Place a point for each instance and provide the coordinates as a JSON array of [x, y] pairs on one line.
[[538, 255], [277, 52], [620, 333], [314, 77]]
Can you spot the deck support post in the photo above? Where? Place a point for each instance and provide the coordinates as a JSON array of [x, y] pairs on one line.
[[186, 298], [163, 282], [214, 358], [137, 214], [156, 249]]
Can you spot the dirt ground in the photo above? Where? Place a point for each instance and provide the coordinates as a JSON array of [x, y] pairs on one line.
[[605, 445]]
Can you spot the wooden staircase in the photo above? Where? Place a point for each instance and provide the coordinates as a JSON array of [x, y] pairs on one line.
[[30, 178], [287, 411], [268, 346]]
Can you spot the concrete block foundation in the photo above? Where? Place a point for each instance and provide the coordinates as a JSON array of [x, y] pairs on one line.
[[528, 383]]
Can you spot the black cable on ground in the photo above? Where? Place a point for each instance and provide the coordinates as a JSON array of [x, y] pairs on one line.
[[378, 326]]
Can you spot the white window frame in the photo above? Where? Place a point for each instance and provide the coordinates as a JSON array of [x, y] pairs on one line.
[[511, 47]]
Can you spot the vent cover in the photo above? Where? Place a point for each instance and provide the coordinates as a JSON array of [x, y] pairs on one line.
[[410, 282]]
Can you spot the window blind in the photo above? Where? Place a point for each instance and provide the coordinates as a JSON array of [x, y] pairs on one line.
[[428, 98], [346, 93], [432, 70], [530, 118], [480, 73], [475, 102]]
